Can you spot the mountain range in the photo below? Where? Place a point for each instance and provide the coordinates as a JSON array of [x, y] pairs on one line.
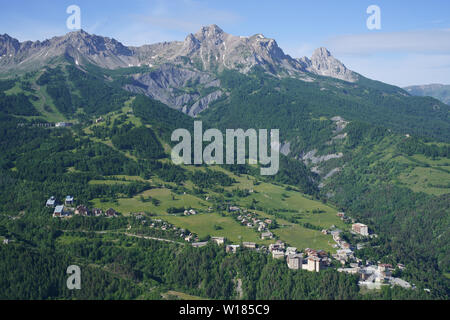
[[209, 49], [174, 64], [188, 75], [438, 91]]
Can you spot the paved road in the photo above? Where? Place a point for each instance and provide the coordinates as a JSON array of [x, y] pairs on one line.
[[152, 238], [128, 235]]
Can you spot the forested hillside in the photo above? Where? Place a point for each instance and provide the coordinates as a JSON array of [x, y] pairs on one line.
[[390, 168]]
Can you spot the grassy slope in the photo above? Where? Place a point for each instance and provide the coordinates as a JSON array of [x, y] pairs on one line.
[[44, 105], [416, 172], [270, 196], [267, 195], [420, 174]]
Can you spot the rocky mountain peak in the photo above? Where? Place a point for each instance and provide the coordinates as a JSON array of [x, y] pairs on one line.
[[5, 37], [211, 31], [8, 45], [321, 53], [78, 34], [92, 44], [324, 64]]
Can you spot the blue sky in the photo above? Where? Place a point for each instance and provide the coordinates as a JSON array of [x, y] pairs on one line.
[[412, 47]]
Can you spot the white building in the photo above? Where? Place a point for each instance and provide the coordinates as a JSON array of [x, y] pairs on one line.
[[266, 235], [361, 229], [199, 244], [218, 240], [51, 202], [250, 245], [232, 248], [277, 254], [313, 264], [295, 261], [291, 250]]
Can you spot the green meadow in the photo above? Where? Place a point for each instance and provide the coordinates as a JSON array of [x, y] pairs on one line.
[[213, 224]]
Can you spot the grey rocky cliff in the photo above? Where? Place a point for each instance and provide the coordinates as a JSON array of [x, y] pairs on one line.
[[324, 64], [168, 84]]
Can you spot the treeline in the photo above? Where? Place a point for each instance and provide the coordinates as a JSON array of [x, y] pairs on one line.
[[163, 119], [141, 141], [211, 178], [413, 145], [39, 274], [294, 172], [96, 97], [17, 104]]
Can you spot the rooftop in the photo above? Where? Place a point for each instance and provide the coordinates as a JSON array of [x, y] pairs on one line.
[[59, 209]]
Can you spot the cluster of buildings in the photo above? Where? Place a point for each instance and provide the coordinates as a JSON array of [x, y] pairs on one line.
[[67, 209], [191, 237], [311, 260], [159, 224], [345, 252], [374, 276], [371, 276], [252, 220], [165, 226], [217, 240]]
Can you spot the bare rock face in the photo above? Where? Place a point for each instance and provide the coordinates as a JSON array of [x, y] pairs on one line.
[[187, 90], [285, 148], [8, 45], [204, 102], [324, 64]]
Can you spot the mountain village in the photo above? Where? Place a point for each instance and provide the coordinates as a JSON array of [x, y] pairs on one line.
[[371, 275]]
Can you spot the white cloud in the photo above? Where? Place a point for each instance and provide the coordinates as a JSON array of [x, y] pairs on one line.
[[171, 20], [400, 58], [402, 70], [185, 16], [303, 50], [422, 41]]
